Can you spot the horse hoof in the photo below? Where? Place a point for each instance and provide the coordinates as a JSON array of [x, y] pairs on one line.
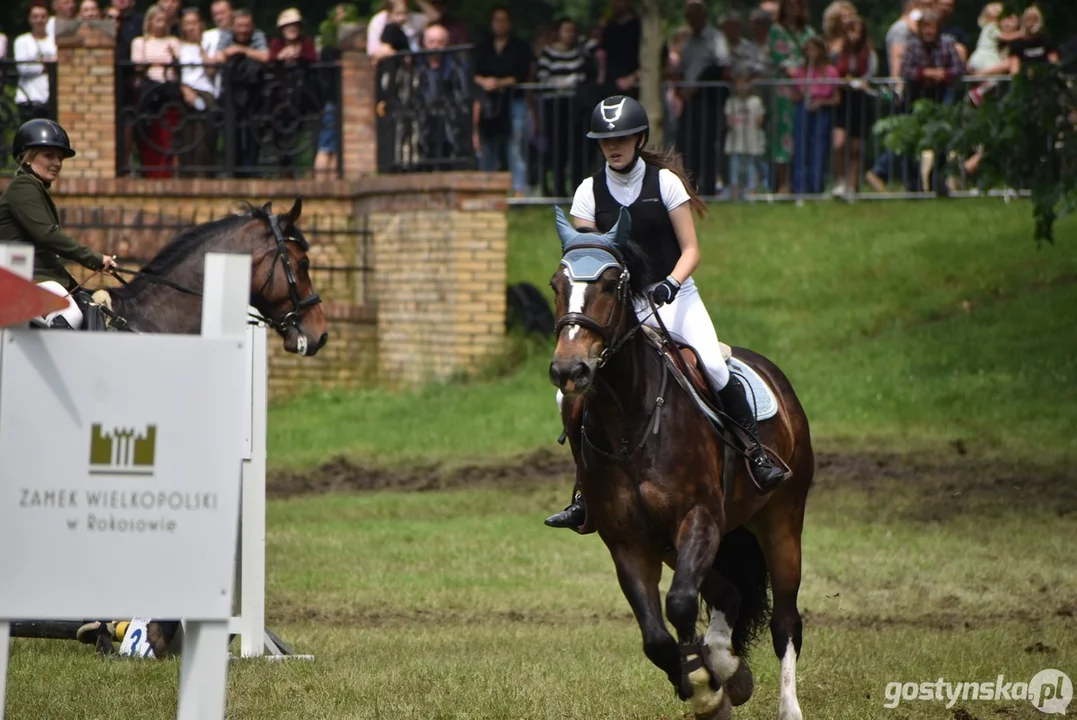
[[741, 686]]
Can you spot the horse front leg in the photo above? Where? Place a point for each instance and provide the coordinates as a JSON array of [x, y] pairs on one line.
[[697, 545], [639, 573]]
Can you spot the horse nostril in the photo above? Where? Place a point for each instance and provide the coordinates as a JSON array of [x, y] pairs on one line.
[[323, 340], [581, 374]]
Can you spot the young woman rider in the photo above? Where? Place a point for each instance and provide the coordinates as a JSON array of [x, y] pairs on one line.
[[661, 202]]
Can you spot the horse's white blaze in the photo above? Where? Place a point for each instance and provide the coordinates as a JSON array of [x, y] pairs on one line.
[[788, 707], [719, 644], [577, 291]]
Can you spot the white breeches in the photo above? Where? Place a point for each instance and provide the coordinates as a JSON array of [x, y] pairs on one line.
[[71, 313], [687, 318]]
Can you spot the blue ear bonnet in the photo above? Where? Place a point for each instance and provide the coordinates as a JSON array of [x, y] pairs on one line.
[[587, 264]]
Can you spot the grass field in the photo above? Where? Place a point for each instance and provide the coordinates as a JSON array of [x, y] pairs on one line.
[[934, 350]]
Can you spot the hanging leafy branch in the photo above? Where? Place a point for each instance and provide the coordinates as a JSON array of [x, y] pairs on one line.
[[1027, 134]]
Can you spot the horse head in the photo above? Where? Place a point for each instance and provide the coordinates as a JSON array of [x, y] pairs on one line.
[[592, 294], [281, 288]]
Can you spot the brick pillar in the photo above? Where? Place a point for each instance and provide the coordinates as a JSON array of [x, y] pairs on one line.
[[85, 96], [440, 243], [359, 139]]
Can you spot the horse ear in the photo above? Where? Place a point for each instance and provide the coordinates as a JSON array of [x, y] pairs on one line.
[[565, 231], [297, 208], [268, 208], [618, 234]]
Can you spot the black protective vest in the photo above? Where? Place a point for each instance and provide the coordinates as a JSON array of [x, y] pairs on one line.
[[651, 228]]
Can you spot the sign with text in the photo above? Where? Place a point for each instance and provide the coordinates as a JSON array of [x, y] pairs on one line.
[[119, 451]]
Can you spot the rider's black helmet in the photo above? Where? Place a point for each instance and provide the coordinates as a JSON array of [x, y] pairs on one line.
[[41, 133], [618, 116]]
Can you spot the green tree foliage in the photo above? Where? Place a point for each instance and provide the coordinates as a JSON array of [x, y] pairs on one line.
[[1027, 136]]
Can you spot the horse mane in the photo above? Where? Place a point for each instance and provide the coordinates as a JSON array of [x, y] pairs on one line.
[[190, 240]]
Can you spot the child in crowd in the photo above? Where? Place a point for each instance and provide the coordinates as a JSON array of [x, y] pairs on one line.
[[991, 56], [745, 142]]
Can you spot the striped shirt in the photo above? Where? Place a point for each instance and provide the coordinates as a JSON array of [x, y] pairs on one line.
[[564, 69]]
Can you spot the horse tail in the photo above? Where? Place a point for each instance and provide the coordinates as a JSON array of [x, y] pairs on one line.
[[740, 561]]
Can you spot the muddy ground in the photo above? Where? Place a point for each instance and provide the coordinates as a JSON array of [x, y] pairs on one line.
[[946, 484]]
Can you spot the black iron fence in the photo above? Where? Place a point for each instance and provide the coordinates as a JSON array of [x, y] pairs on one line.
[[233, 120], [424, 111], [26, 92]]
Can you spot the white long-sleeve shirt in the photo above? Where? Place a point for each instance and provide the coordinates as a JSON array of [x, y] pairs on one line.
[[33, 76]]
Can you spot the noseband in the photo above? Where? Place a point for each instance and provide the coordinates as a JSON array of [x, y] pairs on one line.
[[607, 330], [291, 318]]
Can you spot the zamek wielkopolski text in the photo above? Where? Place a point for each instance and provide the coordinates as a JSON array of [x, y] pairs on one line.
[[117, 499]]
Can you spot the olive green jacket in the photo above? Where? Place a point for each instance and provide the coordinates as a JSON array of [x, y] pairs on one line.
[[27, 214]]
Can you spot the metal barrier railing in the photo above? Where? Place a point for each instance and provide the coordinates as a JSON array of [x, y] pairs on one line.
[[258, 120], [26, 92]]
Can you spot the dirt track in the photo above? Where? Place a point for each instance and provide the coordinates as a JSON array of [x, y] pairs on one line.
[[948, 484]]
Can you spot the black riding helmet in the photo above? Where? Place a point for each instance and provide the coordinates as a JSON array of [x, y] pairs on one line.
[[619, 116], [41, 133]]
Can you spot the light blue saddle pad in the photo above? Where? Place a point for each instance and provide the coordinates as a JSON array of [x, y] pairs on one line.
[[760, 396]]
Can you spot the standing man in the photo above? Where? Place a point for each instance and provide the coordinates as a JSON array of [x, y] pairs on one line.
[[704, 58], [500, 111], [620, 40]]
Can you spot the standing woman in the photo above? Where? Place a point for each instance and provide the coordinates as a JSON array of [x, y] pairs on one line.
[[857, 65], [660, 201], [27, 214], [788, 35]]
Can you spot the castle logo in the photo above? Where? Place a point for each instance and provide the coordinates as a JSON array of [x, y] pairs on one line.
[[121, 451]]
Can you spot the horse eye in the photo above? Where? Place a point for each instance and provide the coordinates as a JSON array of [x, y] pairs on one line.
[[304, 264], [609, 286]]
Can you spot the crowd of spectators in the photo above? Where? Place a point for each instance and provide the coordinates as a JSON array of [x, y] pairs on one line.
[[175, 77], [761, 101]]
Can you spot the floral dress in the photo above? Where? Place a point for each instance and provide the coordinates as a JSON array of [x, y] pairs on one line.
[[785, 49]]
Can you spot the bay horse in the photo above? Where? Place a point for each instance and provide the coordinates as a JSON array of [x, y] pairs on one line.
[[165, 296], [663, 486]]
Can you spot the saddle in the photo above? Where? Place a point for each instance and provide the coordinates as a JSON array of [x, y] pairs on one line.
[[688, 364]]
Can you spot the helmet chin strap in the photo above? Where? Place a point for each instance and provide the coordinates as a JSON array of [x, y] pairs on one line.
[[635, 159]]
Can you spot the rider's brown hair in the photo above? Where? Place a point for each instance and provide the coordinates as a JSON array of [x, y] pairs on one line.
[[669, 159]]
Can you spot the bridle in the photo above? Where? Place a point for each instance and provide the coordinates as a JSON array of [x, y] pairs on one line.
[[282, 324], [605, 331], [291, 318]]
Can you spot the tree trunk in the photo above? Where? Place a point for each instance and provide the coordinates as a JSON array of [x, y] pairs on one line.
[[650, 67]]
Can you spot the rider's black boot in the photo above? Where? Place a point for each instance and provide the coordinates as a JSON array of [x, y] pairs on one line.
[[60, 322], [573, 515], [735, 401]]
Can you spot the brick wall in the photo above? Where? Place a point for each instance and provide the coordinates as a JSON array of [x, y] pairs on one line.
[[439, 269], [85, 89], [433, 301]]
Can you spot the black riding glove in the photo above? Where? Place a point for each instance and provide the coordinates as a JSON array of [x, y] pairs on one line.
[[665, 291]]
